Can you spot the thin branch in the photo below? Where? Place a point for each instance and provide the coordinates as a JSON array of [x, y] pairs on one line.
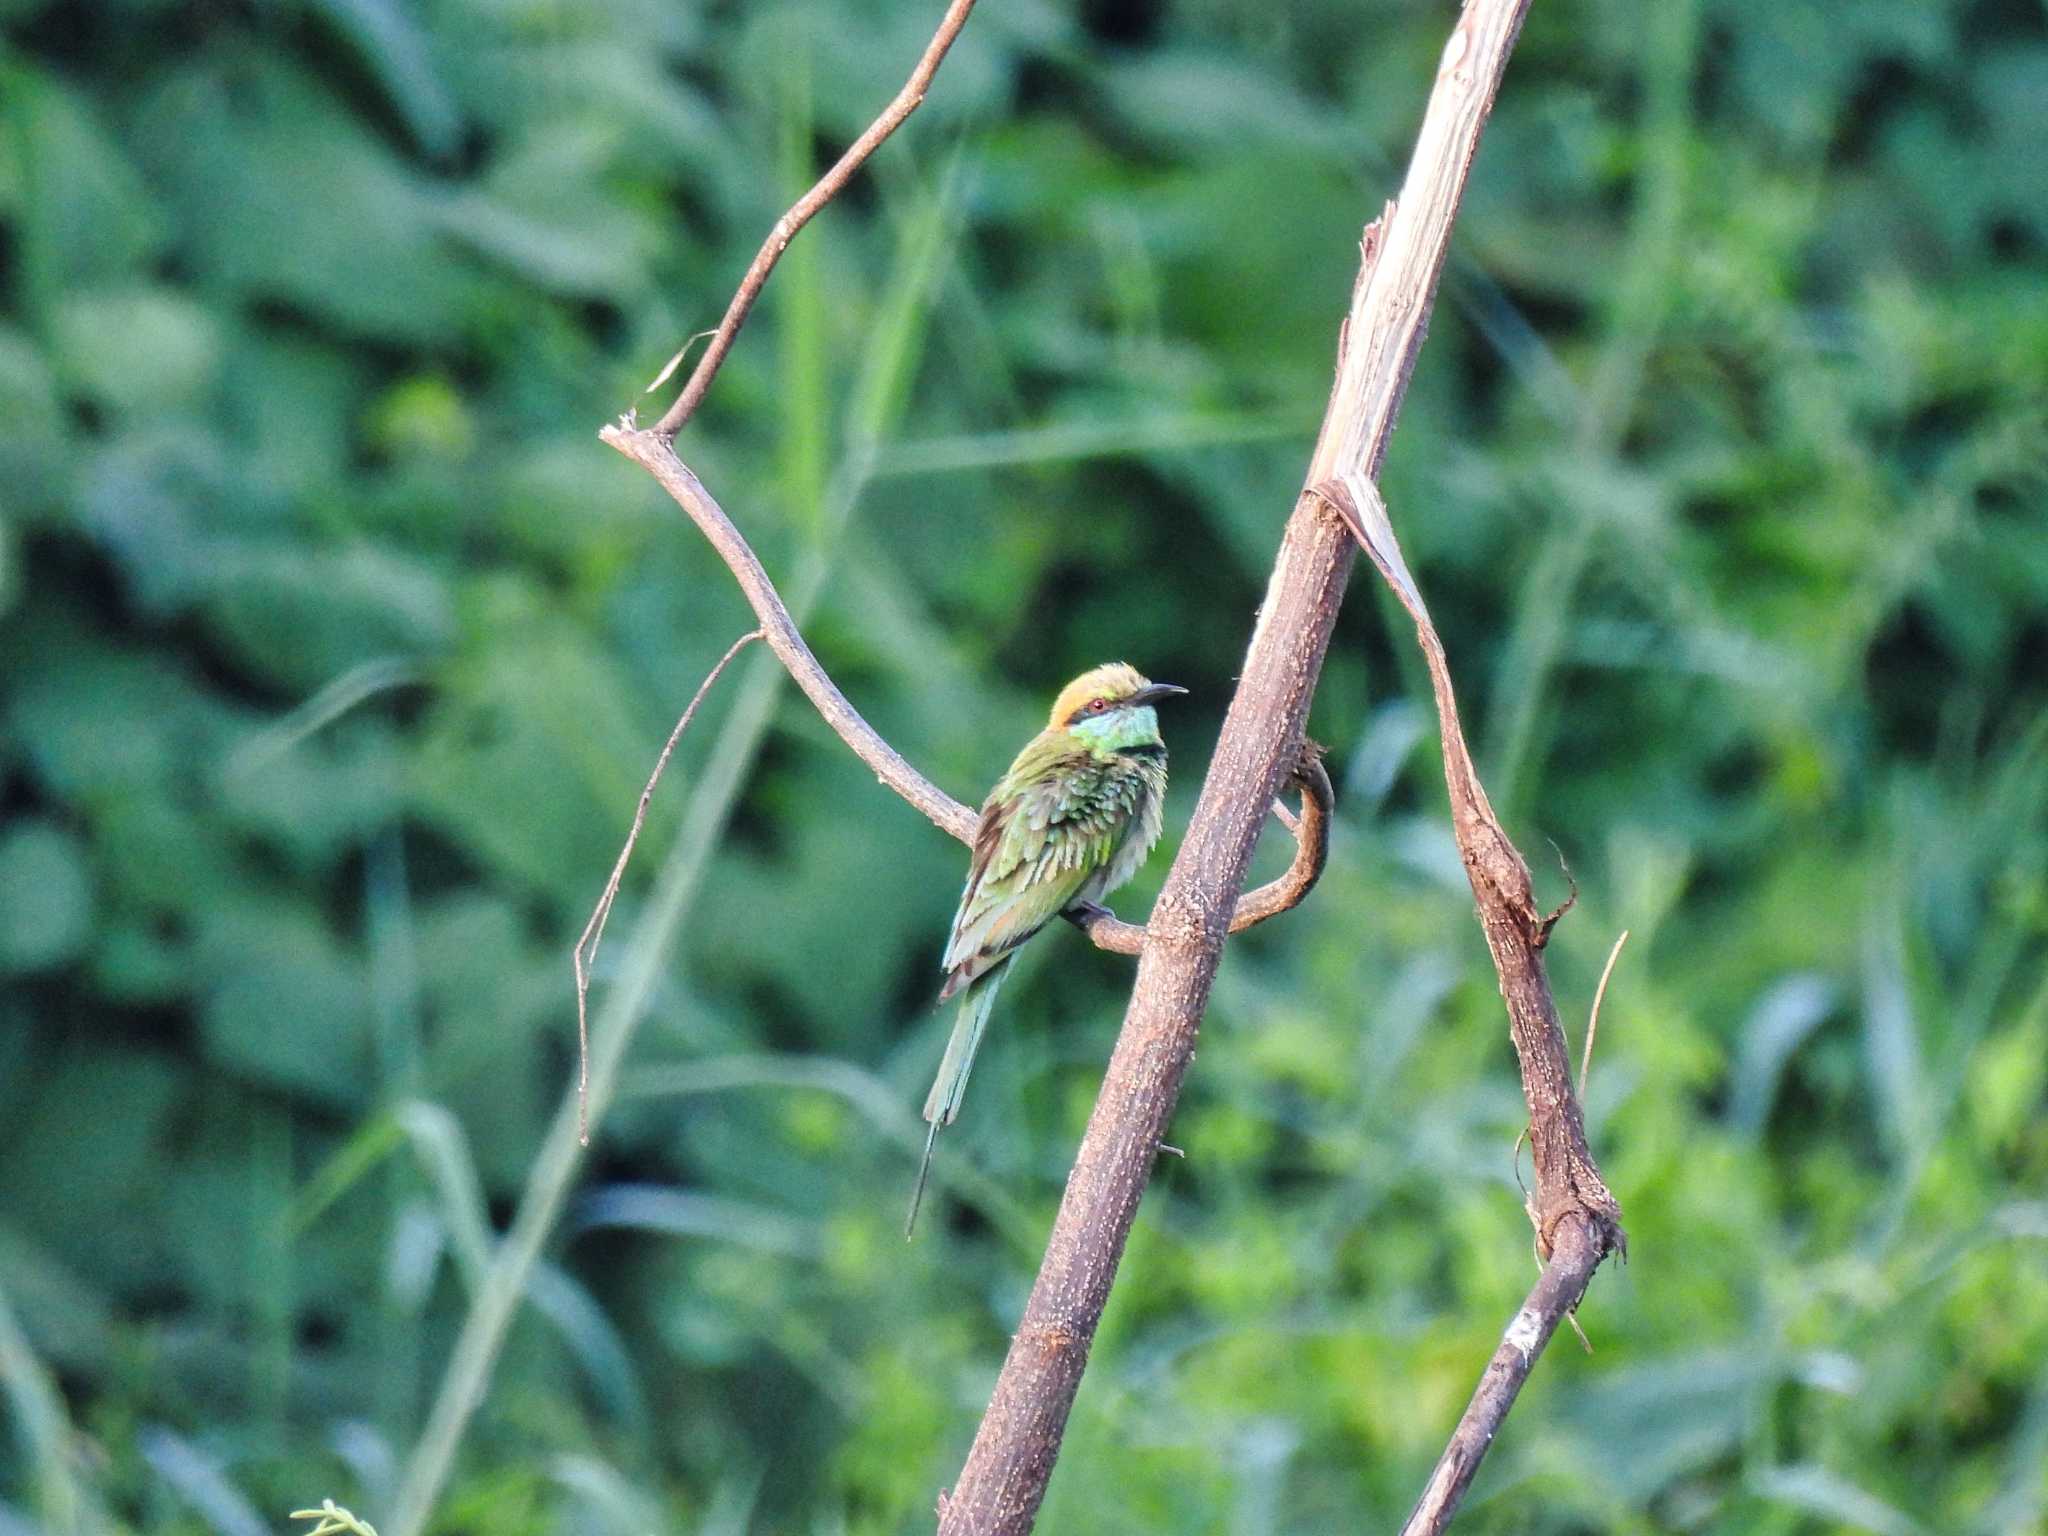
[[828, 187], [1571, 1202], [654, 453], [1004, 1480], [584, 955], [1579, 1247], [1311, 831], [1593, 1018], [1567, 1179]]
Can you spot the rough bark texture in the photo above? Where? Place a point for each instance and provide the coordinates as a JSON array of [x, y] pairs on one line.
[[1568, 1182], [1578, 1248]]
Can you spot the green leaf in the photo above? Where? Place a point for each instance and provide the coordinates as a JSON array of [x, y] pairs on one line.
[[32, 449], [136, 349], [387, 37], [289, 1010], [45, 897], [87, 218], [281, 195], [299, 616]]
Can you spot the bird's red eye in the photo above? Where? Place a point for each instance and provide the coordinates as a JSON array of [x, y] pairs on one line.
[[1097, 706]]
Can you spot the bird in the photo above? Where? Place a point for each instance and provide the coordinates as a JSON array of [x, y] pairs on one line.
[[1072, 819]]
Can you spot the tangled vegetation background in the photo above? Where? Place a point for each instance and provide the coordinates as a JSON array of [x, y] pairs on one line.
[[334, 649]]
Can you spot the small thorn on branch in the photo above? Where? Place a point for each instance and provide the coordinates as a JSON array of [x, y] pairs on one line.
[[1572, 1317], [1571, 899]]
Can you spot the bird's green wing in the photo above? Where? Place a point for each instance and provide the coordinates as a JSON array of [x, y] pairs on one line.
[[1055, 819]]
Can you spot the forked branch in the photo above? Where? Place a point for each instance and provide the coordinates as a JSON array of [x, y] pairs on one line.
[[653, 449]]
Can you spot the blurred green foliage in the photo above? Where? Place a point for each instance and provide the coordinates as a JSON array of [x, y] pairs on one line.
[[334, 648]]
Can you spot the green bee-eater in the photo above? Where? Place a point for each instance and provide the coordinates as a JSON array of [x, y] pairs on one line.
[[1070, 822]]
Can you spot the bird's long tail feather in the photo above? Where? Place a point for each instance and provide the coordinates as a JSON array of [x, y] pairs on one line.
[[942, 1104]]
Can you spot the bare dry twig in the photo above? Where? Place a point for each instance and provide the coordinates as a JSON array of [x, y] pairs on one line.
[[584, 955], [1576, 1219], [1575, 1253], [828, 187], [1567, 1180], [654, 453]]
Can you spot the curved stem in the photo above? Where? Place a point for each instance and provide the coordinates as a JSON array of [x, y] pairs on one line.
[[785, 230], [1311, 851], [654, 453]]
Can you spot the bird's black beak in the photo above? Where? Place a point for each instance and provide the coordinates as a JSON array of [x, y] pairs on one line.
[[1152, 693]]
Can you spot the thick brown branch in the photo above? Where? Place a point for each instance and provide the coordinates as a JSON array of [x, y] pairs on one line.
[[828, 187], [1579, 1247], [1000, 1488]]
